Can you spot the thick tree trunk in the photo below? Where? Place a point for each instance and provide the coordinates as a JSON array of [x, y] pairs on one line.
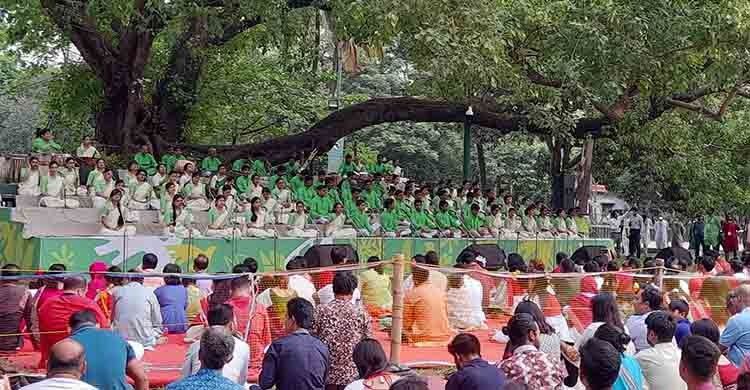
[[583, 193], [482, 165]]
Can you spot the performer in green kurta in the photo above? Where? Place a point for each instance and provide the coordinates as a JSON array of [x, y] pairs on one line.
[[347, 167], [360, 219], [422, 222], [146, 160], [475, 222], [321, 206], [212, 162], [447, 221], [259, 168], [242, 183], [171, 158], [43, 143], [390, 219]]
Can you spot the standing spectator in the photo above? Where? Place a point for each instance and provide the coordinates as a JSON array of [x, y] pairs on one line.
[[736, 335], [255, 326], [630, 376], [340, 325], [106, 367], [372, 366], [698, 236], [600, 365], [54, 314], [648, 299], [15, 306], [713, 231], [200, 266], [730, 235], [528, 365], [136, 315], [173, 300], [636, 224], [216, 350], [474, 373], [297, 360], [660, 233], [727, 374], [680, 311], [698, 363], [67, 363], [660, 363], [148, 266], [221, 316]]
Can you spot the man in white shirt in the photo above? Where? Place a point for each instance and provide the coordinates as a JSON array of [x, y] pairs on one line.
[[65, 367], [221, 316], [661, 362], [200, 266], [648, 300], [635, 223], [301, 283]]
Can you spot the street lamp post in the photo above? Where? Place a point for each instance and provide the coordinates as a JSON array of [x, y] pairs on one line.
[[467, 143]]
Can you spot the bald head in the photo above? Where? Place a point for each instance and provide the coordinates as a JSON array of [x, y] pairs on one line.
[[72, 283], [66, 357]]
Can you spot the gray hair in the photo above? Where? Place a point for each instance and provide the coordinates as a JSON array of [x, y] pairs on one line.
[[217, 346]]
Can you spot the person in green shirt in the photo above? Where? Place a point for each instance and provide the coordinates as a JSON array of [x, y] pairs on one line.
[[212, 162], [390, 221], [475, 223], [146, 160], [242, 183], [582, 222], [347, 167], [361, 219], [321, 206], [296, 184], [447, 221], [170, 159], [333, 192], [259, 168], [307, 193], [373, 197], [422, 222], [405, 210], [44, 143], [237, 165]]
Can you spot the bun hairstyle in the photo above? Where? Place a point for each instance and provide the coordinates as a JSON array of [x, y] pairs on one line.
[[614, 336], [518, 328]]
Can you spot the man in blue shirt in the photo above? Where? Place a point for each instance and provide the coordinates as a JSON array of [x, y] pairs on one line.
[[217, 346], [736, 336], [474, 373], [680, 310], [108, 356], [297, 360]]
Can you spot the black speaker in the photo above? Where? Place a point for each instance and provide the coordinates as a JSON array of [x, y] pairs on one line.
[[320, 255]]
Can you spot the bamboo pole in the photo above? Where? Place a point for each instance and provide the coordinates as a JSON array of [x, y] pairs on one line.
[[397, 309]]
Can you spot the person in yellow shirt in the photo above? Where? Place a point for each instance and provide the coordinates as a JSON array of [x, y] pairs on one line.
[[376, 289], [425, 313]]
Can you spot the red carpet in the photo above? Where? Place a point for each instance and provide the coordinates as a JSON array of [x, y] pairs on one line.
[[163, 364]]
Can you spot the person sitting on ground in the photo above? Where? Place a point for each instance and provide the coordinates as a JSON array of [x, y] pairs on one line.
[[98, 280], [216, 351], [464, 313], [212, 162], [340, 325], [194, 310], [580, 311], [30, 179], [15, 307], [321, 206], [604, 310], [600, 365], [727, 374], [137, 315], [410, 383], [67, 363], [372, 366], [142, 194], [734, 339], [178, 220], [649, 299], [698, 362], [437, 278], [630, 376], [173, 299], [376, 289], [221, 317], [448, 224], [55, 312], [425, 313], [259, 334], [297, 360], [660, 363], [196, 194], [680, 311], [474, 373], [220, 222], [527, 365], [109, 358], [255, 220], [300, 282], [103, 298]]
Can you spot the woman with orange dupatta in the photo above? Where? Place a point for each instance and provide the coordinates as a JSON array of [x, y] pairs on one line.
[[103, 297], [580, 306]]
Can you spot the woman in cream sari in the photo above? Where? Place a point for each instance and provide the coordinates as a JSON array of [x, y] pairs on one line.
[[73, 185], [179, 220], [114, 217], [512, 225], [142, 194], [132, 176], [220, 220], [269, 206], [195, 193], [544, 223], [495, 221], [29, 185], [255, 221], [103, 187], [298, 221], [528, 224], [284, 204], [165, 202], [560, 227], [336, 228], [160, 177], [94, 175], [53, 190]]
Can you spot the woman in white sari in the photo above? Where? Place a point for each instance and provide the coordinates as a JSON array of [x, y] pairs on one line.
[[528, 224], [52, 189], [220, 220], [195, 193], [142, 194], [179, 220], [187, 175], [495, 221], [218, 181], [298, 221], [132, 176], [283, 200], [165, 202], [29, 185], [269, 206], [94, 175], [73, 185], [103, 187], [512, 225], [114, 217], [255, 221], [336, 228], [544, 223], [254, 190]]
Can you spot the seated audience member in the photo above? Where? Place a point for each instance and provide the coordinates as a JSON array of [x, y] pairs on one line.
[[54, 314], [52, 287], [137, 315], [527, 365], [604, 310], [220, 222], [376, 289], [580, 309], [98, 281], [340, 325], [259, 336], [411, 383], [297, 360], [630, 376], [727, 374], [104, 297], [474, 373], [698, 362], [735, 338], [660, 363], [600, 365], [680, 311], [15, 307], [173, 299], [200, 266], [648, 300], [109, 358], [194, 310], [301, 283], [216, 350], [372, 366], [149, 264], [279, 295], [425, 313], [30, 178], [67, 363], [221, 316], [464, 313], [52, 190]]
